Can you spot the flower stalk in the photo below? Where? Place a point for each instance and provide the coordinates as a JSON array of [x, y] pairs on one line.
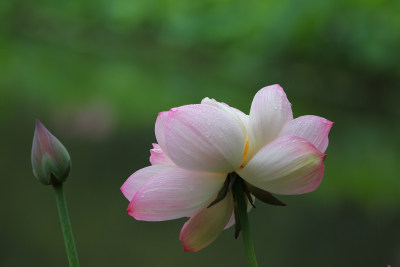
[[238, 191], [66, 226]]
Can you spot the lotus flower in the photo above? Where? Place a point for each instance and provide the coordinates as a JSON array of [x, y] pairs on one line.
[[203, 148]]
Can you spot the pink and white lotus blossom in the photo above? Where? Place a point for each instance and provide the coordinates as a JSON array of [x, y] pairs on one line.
[[201, 146]]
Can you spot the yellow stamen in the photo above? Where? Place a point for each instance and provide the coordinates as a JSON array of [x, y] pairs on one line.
[[246, 149]]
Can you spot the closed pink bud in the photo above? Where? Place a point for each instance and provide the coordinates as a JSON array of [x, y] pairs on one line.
[[51, 162]]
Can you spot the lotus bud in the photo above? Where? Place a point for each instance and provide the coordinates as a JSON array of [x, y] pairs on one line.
[[51, 162]]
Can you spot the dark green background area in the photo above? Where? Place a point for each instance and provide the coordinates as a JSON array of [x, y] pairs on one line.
[[97, 73]]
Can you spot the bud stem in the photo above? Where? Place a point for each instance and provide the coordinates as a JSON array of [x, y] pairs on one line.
[[244, 222], [66, 226]]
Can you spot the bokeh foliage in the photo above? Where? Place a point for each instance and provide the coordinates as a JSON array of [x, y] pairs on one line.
[[98, 72]]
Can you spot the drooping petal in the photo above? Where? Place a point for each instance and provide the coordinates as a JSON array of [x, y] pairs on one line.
[[313, 128], [159, 129], [158, 157], [289, 165], [204, 138], [205, 226], [136, 180], [174, 193], [270, 110]]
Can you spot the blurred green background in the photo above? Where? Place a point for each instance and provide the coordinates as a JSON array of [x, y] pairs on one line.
[[96, 73]]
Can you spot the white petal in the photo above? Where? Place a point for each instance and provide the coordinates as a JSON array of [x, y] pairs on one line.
[[158, 157], [236, 114], [159, 129], [205, 226], [242, 116], [136, 180], [313, 128], [270, 110], [174, 193], [288, 165], [204, 138]]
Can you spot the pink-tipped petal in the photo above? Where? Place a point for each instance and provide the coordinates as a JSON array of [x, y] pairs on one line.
[[158, 157], [136, 180], [313, 128], [204, 138], [289, 165], [205, 226], [173, 194], [270, 111], [159, 129]]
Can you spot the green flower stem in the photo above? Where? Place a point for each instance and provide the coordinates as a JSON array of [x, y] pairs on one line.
[[244, 222], [66, 226]]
